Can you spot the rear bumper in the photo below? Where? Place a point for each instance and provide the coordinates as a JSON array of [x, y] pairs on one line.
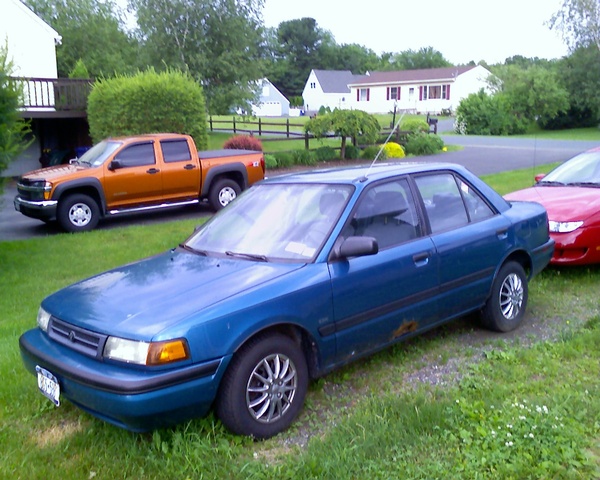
[[541, 257], [136, 399], [42, 210]]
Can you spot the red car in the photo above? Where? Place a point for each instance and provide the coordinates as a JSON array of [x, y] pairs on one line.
[[571, 195]]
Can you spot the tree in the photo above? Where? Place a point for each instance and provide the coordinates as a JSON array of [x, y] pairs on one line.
[[423, 58], [345, 123], [92, 31], [219, 42], [579, 22], [13, 129]]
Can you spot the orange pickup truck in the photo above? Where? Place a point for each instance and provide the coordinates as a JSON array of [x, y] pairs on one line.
[[135, 174]]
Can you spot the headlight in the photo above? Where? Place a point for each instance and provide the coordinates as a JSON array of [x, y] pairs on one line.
[[563, 227], [43, 318], [146, 353]]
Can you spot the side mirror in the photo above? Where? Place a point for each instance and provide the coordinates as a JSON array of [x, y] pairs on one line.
[[539, 176], [115, 165], [357, 247], [73, 161]]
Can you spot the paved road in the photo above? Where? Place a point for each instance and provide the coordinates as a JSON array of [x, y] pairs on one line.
[[482, 155]]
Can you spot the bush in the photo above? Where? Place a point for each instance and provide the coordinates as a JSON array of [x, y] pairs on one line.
[[304, 157], [270, 161], [414, 125], [370, 152], [148, 102], [284, 159], [325, 154], [243, 142], [423, 144], [352, 152], [394, 150]]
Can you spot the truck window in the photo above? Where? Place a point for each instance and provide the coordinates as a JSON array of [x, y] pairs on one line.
[[137, 155], [175, 150]]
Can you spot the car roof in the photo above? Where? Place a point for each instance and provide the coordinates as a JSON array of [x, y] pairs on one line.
[[363, 173]]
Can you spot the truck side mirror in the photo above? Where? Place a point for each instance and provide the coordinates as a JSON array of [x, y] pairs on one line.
[[115, 165]]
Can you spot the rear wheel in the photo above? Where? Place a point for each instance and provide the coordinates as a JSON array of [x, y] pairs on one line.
[[505, 309], [223, 192], [264, 387], [78, 213]]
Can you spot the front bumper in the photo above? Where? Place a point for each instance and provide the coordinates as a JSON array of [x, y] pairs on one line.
[[133, 398], [579, 247], [42, 210]]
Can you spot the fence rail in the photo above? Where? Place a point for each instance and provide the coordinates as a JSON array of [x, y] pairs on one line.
[[58, 93]]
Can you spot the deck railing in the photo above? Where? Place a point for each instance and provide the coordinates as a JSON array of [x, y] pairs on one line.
[[64, 94]]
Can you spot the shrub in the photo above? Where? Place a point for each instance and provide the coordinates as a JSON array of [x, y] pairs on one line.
[[414, 125], [324, 154], [79, 70], [284, 159], [148, 102], [352, 152], [243, 142], [423, 144], [370, 152], [324, 110], [394, 150], [270, 161], [304, 157]]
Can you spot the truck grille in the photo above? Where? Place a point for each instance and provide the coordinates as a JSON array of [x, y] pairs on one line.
[[78, 339]]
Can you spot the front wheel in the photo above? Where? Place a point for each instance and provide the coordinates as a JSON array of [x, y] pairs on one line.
[[264, 387], [505, 309], [78, 213], [223, 192]]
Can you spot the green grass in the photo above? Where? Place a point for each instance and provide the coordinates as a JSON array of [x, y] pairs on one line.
[[367, 420]]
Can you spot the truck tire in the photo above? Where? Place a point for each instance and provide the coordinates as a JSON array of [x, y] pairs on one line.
[[78, 213], [223, 192]]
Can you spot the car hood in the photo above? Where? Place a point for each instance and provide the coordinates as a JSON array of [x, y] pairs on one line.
[[562, 203], [142, 299]]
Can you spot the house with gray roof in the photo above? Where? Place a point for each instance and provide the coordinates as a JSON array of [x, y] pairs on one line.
[[329, 89], [271, 102], [416, 91]]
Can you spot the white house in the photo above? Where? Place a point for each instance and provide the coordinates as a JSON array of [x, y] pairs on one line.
[[271, 103], [328, 88], [416, 91]]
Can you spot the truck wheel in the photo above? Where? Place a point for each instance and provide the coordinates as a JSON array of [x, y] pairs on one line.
[[264, 387], [505, 309], [223, 192], [78, 213]]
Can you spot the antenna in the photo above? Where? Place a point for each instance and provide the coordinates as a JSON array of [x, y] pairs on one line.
[[384, 144]]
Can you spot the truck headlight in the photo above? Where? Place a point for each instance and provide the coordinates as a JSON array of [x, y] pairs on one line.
[[146, 353], [43, 318], [563, 227]]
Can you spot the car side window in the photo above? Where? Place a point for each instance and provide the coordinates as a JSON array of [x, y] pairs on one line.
[[477, 208], [175, 151], [386, 212], [443, 201], [137, 155]]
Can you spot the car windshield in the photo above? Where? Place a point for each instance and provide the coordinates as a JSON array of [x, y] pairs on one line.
[[97, 155], [273, 222], [583, 169]]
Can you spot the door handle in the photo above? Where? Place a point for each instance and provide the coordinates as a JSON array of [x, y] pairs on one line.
[[153, 171], [189, 166], [502, 233], [421, 258]]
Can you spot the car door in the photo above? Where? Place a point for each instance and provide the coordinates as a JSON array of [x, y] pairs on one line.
[[134, 178], [469, 237], [180, 171], [381, 298]]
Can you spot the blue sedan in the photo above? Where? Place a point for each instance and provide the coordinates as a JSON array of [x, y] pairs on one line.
[[301, 274]]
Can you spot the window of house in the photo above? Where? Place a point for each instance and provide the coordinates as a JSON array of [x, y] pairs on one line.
[[313, 85], [424, 96], [363, 95], [411, 93], [435, 92], [446, 92], [395, 93]]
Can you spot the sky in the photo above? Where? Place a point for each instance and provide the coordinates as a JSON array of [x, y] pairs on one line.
[[462, 30]]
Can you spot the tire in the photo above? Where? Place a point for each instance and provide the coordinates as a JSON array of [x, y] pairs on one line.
[[223, 192], [78, 213], [264, 387], [505, 309]]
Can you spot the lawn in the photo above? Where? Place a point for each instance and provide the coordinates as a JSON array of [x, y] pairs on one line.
[[456, 403]]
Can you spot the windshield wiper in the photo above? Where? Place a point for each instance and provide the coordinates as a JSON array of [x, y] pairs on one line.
[[250, 256], [548, 182], [585, 184], [193, 250]]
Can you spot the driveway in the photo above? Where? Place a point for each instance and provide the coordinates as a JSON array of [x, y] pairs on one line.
[[482, 155]]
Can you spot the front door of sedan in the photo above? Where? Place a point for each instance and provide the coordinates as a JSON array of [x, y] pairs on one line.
[[469, 236], [381, 298]]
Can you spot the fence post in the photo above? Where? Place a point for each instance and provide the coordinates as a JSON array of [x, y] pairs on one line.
[[306, 142], [234, 130], [210, 123], [259, 126], [287, 123]]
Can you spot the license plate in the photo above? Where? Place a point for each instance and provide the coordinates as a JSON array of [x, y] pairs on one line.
[[48, 385]]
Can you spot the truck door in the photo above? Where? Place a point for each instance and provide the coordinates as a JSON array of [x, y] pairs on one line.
[[180, 170], [134, 177]]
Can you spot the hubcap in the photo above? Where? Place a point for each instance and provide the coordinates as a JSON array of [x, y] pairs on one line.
[[226, 195], [271, 388], [80, 214], [511, 296]]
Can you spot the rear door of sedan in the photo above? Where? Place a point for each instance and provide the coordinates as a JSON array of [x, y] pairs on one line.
[[471, 239]]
